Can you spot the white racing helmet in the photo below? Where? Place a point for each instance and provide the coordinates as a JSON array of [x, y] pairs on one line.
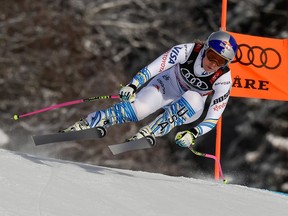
[[223, 44]]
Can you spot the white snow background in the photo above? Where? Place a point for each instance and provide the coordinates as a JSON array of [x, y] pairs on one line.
[[34, 186]]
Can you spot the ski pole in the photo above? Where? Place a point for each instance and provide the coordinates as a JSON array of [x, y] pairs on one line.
[[212, 157], [16, 117]]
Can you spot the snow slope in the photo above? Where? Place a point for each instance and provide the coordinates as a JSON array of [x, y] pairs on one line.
[[32, 186]]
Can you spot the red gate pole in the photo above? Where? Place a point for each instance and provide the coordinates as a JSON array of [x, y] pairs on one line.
[[219, 123]]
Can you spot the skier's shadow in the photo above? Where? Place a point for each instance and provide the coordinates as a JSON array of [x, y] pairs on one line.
[[56, 163]]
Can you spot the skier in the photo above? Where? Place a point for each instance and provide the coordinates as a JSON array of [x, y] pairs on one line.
[[180, 82]]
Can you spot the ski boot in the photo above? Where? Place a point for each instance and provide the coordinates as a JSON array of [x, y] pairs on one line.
[[82, 124], [144, 132]]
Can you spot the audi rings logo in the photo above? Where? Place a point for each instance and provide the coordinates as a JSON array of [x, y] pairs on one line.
[[258, 57], [191, 79]]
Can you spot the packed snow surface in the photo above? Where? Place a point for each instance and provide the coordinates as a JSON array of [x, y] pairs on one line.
[[33, 186]]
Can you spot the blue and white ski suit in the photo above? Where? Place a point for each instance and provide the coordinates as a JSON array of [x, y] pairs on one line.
[[177, 83]]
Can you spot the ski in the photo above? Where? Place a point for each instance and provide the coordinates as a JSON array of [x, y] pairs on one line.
[[142, 143], [92, 133]]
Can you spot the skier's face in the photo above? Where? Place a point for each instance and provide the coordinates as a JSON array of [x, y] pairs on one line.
[[212, 61]]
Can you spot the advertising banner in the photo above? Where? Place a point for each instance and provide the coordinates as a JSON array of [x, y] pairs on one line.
[[260, 68]]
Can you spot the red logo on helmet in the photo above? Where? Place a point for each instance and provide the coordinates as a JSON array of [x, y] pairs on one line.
[[226, 45]]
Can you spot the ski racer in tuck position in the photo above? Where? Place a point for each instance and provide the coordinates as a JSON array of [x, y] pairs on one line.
[[180, 81]]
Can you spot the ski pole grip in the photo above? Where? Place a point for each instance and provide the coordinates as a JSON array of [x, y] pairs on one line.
[[16, 117]]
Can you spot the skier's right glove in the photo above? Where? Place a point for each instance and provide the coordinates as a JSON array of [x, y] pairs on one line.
[[186, 138], [127, 93]]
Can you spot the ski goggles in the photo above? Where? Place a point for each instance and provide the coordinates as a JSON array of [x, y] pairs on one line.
[[212, 56]]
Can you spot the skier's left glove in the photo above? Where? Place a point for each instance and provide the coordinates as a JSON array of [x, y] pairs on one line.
[[127, 93], [186, 138]]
